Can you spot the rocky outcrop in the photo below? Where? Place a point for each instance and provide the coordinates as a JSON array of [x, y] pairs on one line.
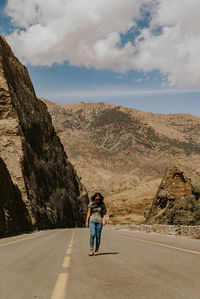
[[48, 186], [177, 199]]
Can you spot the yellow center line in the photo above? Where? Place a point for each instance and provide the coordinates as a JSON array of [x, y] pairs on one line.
[[155, 243], [66, 262], [60, 289], [69, 251]]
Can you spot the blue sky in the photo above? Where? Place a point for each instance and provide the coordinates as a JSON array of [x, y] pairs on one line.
[[116, 64]]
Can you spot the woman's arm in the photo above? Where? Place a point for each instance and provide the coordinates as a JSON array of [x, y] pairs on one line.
[[88, 216], [104, 214], [104, 219]]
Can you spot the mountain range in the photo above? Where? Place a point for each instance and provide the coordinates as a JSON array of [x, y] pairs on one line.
[[115, 148]]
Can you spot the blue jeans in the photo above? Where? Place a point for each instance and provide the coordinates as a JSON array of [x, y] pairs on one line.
[[95, 230]]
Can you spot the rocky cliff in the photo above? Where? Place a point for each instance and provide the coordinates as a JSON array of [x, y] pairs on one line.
[[33, 158], [178, 198], [14, 216], [115, 148]]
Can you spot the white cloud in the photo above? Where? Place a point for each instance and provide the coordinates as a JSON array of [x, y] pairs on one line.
[[81, 32], [88, 33], [111, 92], [176, 50]]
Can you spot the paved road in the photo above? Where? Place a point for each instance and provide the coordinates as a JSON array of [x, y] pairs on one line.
[[55, 265]]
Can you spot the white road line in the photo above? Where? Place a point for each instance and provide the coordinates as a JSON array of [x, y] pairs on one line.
[[24, 239], [156, 243]]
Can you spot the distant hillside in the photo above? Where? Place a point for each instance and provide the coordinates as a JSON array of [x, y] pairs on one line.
[[115, 148]]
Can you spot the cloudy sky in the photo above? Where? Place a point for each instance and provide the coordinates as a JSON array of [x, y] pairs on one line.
[[137, 53]]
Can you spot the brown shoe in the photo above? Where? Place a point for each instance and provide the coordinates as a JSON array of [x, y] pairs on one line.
[[91, 252]]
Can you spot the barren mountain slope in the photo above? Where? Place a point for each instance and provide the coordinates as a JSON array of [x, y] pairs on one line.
[[129, 206], [116, 148]]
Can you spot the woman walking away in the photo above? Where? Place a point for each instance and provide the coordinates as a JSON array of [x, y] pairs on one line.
[[96, 218]]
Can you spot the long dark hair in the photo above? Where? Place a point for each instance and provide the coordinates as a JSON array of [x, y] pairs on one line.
[[99, 195]]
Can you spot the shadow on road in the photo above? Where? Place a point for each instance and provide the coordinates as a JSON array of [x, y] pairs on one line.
[[106, 253]]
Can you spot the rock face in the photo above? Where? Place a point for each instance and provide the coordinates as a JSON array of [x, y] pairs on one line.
[[32, 156], [177, 199], [14, 216], [115, 148]]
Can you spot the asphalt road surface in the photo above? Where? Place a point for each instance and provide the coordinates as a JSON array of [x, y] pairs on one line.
[[54, 264]]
